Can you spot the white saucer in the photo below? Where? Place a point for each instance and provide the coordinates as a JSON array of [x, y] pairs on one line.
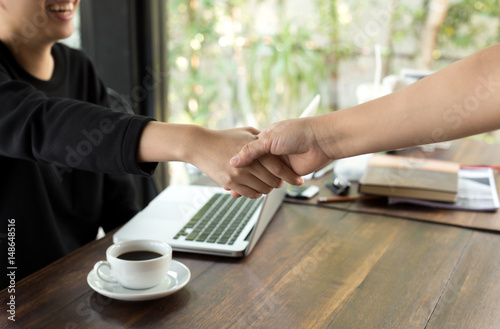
[[176, 278]]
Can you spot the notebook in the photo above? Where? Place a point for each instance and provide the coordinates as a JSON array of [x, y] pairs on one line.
[[206, 219]]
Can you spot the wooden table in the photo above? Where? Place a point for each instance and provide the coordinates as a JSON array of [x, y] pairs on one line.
[[314, 267]]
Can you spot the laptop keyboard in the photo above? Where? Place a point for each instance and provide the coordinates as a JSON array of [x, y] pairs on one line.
[[220, 220]]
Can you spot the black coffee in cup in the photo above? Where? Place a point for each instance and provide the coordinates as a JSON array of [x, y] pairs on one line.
[[139, 255]]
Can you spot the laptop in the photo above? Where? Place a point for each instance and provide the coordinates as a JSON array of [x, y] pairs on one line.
[[206, 219]]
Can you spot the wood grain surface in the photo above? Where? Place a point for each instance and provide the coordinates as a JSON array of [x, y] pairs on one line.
[[314, 267]]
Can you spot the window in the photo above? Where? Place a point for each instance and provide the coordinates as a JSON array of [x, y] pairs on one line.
[[236, 63], [229, 63]]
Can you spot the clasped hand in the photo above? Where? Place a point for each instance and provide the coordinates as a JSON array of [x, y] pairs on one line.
[[294, 141], [258, 176]]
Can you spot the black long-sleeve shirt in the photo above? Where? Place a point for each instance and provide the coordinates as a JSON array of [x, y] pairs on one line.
[[64, 160]]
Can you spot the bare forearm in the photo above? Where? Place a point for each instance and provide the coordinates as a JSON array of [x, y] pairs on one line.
[[460, 100], [161, 142], [210, 151]]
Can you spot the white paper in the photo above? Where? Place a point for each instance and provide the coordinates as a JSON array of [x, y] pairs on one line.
[[476, 191]]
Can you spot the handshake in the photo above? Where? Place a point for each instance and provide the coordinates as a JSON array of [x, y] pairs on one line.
[[250, 163], [283, 152], [245, 161]]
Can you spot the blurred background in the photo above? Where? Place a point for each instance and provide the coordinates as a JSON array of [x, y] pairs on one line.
[[254, 62], [231, 63], [236, 63]]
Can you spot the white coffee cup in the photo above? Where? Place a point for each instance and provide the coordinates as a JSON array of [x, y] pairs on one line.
[[146, 272]]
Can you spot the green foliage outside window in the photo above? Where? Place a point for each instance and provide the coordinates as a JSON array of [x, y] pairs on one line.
[[235, 63]]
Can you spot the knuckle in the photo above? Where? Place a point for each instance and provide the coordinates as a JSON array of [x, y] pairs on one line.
[[253, 130], [253, 194], [267, 190], [274, 182], [278, 169], [279, 183], [226, 180], [245, 149]]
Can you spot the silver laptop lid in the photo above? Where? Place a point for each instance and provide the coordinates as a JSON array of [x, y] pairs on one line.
[[271, 204]]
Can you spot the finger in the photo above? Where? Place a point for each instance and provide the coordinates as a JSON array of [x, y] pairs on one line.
[[280, 170], [235, 195], [251, 180], [243, 190], [249, 153], [262, 179], [253, 130], [260, 183], [272, 171]]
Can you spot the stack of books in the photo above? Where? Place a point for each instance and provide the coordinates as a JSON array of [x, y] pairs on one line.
[[417, 178], [429, 182]]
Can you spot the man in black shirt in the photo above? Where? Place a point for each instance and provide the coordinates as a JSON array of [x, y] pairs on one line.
[[65, 156]]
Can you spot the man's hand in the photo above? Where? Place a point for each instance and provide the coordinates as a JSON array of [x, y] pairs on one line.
[[260, 176], [294, 141]]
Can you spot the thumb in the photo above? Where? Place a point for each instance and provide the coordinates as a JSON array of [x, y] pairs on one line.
[[248, 154]]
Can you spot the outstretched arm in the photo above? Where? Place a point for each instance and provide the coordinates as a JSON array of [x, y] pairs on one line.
[[210, 150], [460, 100]]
